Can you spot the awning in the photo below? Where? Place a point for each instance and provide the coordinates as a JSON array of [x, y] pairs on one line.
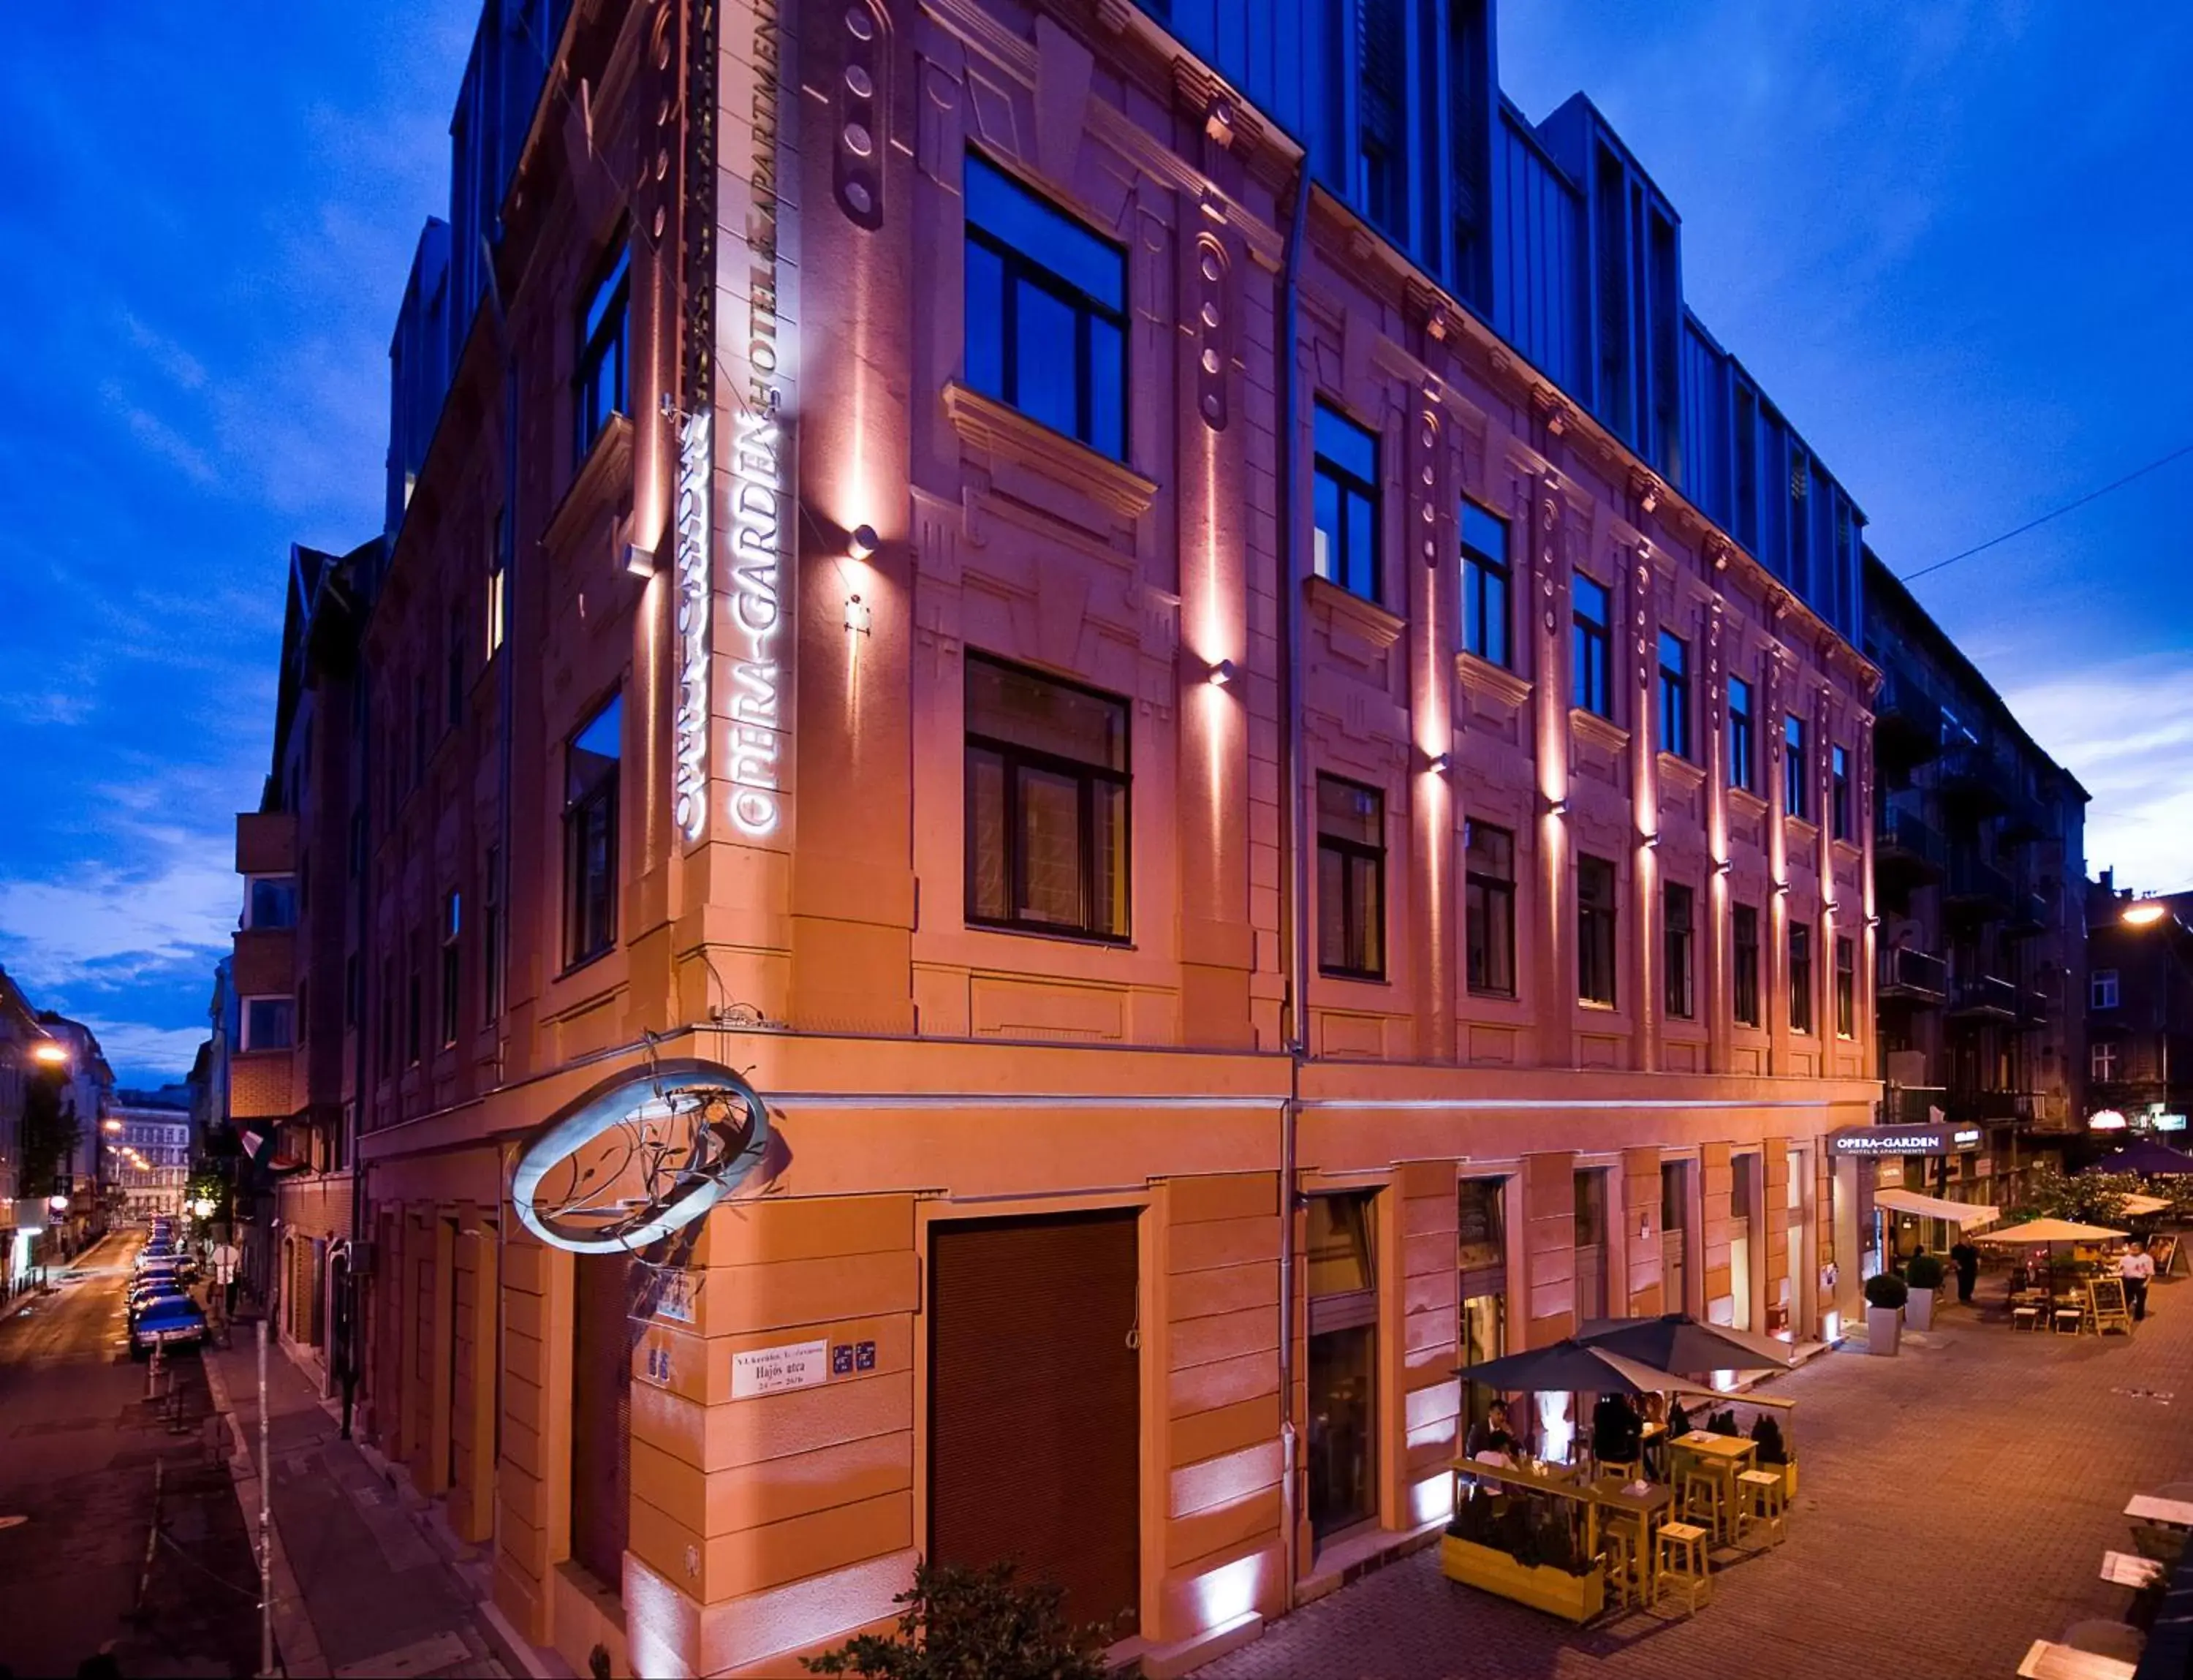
[[2140, 1207], [1959, 1214]]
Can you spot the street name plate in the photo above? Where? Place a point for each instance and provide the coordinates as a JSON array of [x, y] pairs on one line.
[[773, 1370]]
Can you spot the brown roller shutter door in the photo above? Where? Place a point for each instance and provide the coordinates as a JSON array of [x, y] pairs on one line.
[[601, 1416], [1034, 1418]]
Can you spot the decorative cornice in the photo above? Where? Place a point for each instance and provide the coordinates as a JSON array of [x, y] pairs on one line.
[[1367, 619], [1594, 727], [985, 424], [1483, 676], [605, 473]]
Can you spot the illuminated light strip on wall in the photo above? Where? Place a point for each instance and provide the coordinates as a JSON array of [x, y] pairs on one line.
[[696, 591], [760, 358]]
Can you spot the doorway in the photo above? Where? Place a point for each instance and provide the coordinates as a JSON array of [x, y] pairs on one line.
[[1343, 1362]]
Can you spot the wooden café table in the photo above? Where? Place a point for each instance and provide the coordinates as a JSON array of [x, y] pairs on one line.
[[1727, 1456]]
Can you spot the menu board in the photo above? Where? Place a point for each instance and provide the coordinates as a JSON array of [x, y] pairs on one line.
[[2165, 1249]]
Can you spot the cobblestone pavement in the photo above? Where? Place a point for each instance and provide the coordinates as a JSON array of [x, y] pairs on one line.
[[1955, 1507]]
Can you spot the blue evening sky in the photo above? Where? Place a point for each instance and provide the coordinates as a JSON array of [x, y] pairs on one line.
[[1949, 238]]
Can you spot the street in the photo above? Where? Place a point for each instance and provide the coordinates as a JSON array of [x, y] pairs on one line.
[[1957, 1500], [89, 1464]]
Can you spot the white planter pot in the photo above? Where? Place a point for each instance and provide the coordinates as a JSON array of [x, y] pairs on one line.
[[1919, 1310], [1884, 1329]]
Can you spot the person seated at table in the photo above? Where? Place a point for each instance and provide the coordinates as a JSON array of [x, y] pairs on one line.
[[1679, 1419], [1616, 1430], [1768, 1435], [1722, 1422], [1491, 1434]]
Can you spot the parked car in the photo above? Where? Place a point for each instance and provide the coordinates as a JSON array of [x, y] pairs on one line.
[[165, 1320]]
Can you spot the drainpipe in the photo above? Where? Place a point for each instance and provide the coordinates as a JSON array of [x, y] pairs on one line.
[[1296, 905]]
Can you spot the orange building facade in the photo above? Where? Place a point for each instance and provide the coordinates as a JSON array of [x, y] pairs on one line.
[[1198, 786]]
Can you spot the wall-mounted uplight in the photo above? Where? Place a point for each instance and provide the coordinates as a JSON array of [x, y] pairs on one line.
[[1651, 842], [1873, 922], [1557, 807], [1438, 764], [1723, 865], [863, 542], [1781, 888], [1221, 674], [638, 562]]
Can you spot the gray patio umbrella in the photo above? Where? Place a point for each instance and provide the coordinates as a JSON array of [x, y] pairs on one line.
[[1675, 1341], [1574, 1367]]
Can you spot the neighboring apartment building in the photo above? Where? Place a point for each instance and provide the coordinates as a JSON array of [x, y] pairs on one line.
[[25, 1048], [2139, 1013], [1173, 826], [152, 1147], [291, 991], [1980, 874], [88, 1093]]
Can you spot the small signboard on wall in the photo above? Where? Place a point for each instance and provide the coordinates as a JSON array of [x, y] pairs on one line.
[[773, 1370]]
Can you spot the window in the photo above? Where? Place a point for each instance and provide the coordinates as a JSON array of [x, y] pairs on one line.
[[1382, 148], [1591, 651], [1741, 736], [1489, 913], [1677, 942], [1484, 583], [2102, 989], [1351, 880], [1047, 311], [1800, 978], [2105, 1063], [387, 1016], [1046, 804], [497, 580], [355, 853], [454, 671], [272, 901], [269, 1024], [414, 1009], [1481, 1230], [1839, 793], [352, 979], [1595, 930], [1675, 1199], [1795, 772], [590, 834], [491, 932], [1846, 988], [602, 381], [1745, 938], [1346, 536], [1674, 695], [452, 928]]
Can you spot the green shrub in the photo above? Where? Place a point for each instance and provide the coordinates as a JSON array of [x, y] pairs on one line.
[[1924, 1271], [960, 1622], [1885, 1289]]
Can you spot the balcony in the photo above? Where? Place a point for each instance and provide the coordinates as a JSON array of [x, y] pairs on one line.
[[258, 1085], [2029, 914], [1970, 774], [2032, 1008], [1976, 892], [266, 843], [1981, 1105], [1907, 722], [2026, 817], [1984, 998], [1913, 1104], [1919, 979], [266, 961], [1908, 851]]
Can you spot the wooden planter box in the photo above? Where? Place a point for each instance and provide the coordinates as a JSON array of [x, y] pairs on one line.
[[1577, 1598]]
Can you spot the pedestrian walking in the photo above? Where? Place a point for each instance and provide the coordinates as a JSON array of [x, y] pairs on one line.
[[1967, 1259], [2136, 1266]]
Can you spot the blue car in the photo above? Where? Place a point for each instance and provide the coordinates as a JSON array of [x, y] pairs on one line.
[[165, 1320]]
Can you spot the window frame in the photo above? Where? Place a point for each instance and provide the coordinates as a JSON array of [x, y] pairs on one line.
[[1839, 791], [251, 1040], [1799, 942], [1353, 853], [1747, 989], [1012, 756], [1594, 919], [1743, 737], [607, 793], [274, 881], [1017, 268], [1679, 951], [1591, 649], [1349, 486], [1796, 768], [2103, 1050], [2105, 990], [1846, 986], [1674, 695], [1487, 634], [450, 998], [1482, 889], [611, 337]]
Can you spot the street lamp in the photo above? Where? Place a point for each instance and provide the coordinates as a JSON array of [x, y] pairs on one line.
[[203, 1208], [2145, 914], [49, 1054]]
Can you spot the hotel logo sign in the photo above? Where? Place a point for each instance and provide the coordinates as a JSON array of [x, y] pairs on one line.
[[696, 589], [1880, 1140]]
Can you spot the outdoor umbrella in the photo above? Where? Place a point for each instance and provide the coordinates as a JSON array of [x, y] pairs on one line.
[[1572, 1367], [2144, 1156], [2036, 1232], [1675, 1341]]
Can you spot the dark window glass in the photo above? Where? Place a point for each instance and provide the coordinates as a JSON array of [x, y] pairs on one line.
[[387, 1016], [1846, 989], [1746, 979], [602, 381], [1595, 912], [1678, 944], [1345, 510], [1482, 1229], [1800, 978], [1046, 804], [452, 928], [268, 1023], [273, 901], [1484, 584], [1381, 142], [1591, 649], [1675, 1203], [590, 833], [1047, 311], [414, 1010], [1489, 915], [491, 931], [1674, 695], [1795, 770], [1741, 735], [1351, 878], [1839, 791]]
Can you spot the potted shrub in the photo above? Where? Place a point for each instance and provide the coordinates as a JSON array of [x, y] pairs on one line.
[[1885, 1296], [1924, 1274]]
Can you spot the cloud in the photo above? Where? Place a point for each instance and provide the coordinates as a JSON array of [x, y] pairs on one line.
[[145, 1056], [2125, 731], [108, 924], [160, 438], [163, 353]]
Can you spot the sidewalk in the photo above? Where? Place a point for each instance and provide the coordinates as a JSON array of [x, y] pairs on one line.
[[363, 1584]]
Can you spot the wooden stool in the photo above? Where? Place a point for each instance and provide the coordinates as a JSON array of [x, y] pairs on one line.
[[2075, 1317], [1700, 1496], [1623, 1565], [1680, 1563], [1629, 1470], [2027, 1318], [1759, 1494]]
